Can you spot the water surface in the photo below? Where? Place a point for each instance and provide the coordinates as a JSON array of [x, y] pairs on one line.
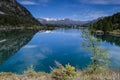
[[43, 48]]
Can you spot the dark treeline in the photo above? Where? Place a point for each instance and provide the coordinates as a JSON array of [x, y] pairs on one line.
[[11, 20], [108, 23]]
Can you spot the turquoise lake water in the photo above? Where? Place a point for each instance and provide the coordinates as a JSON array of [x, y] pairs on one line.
[[41, 49]]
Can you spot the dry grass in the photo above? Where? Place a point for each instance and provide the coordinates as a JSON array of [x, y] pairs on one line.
[[106, 75], [35, 76], [80, 75], [62, 73]]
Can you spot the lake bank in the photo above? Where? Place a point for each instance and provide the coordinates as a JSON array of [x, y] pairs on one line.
[[79, 75], [112, 33], [115, 33], [10, 28]]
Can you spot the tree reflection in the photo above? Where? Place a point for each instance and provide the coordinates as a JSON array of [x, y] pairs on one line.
[[110, 39], [12, 41]]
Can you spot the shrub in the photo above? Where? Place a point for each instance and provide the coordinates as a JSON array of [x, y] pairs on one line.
[[30, 71], [63, 73]]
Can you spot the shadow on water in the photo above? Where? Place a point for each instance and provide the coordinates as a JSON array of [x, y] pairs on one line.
[[110, 39], [12, 41]]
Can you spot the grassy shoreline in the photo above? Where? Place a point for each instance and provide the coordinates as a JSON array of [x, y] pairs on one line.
[[63, 73], [80, 75]]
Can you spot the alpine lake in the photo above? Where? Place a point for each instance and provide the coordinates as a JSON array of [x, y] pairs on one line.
[[23, 48]]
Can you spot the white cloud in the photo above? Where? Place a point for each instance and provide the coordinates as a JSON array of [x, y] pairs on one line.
[[95, 15], [46, 32], [92, 14], [26, 2], [45, 1], [50, 19], [105, 2], [30, 46], [54, 19]]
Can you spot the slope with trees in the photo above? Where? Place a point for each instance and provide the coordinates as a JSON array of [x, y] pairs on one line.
[[13, 14], [107, 24]]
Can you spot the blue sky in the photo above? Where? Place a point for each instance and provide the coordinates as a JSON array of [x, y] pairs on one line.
[[73, 9]]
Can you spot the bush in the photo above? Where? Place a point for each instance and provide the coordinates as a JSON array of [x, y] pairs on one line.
[[30, 71], [63, 73]]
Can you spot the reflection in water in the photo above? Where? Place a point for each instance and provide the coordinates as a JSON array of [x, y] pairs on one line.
[[113, 45], [12, 41], [111, 39], [46, 47]]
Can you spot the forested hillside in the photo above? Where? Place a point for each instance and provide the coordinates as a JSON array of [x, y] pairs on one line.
[[109, 23], [13, 14]]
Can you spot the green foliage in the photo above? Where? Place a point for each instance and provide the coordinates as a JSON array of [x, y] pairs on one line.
[[63, 73], [107, 23], [15, 15], [100, 58], [11, 20]]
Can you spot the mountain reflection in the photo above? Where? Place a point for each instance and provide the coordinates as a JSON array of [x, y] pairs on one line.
[[12, 41]]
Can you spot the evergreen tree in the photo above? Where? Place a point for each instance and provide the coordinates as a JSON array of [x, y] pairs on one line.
[[108, 23]]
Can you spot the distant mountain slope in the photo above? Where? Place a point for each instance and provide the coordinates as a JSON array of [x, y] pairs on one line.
[[66, 21], [92, 21], [12, 13], [109, 23]]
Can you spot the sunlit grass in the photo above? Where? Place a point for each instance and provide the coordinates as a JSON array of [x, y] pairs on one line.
[[62, 73]]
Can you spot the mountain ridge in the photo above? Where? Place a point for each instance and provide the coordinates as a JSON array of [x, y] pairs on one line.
[[14, 14], [65, 21], [108, 23]]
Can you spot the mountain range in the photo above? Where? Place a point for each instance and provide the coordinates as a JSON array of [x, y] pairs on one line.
[[65, 21]]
